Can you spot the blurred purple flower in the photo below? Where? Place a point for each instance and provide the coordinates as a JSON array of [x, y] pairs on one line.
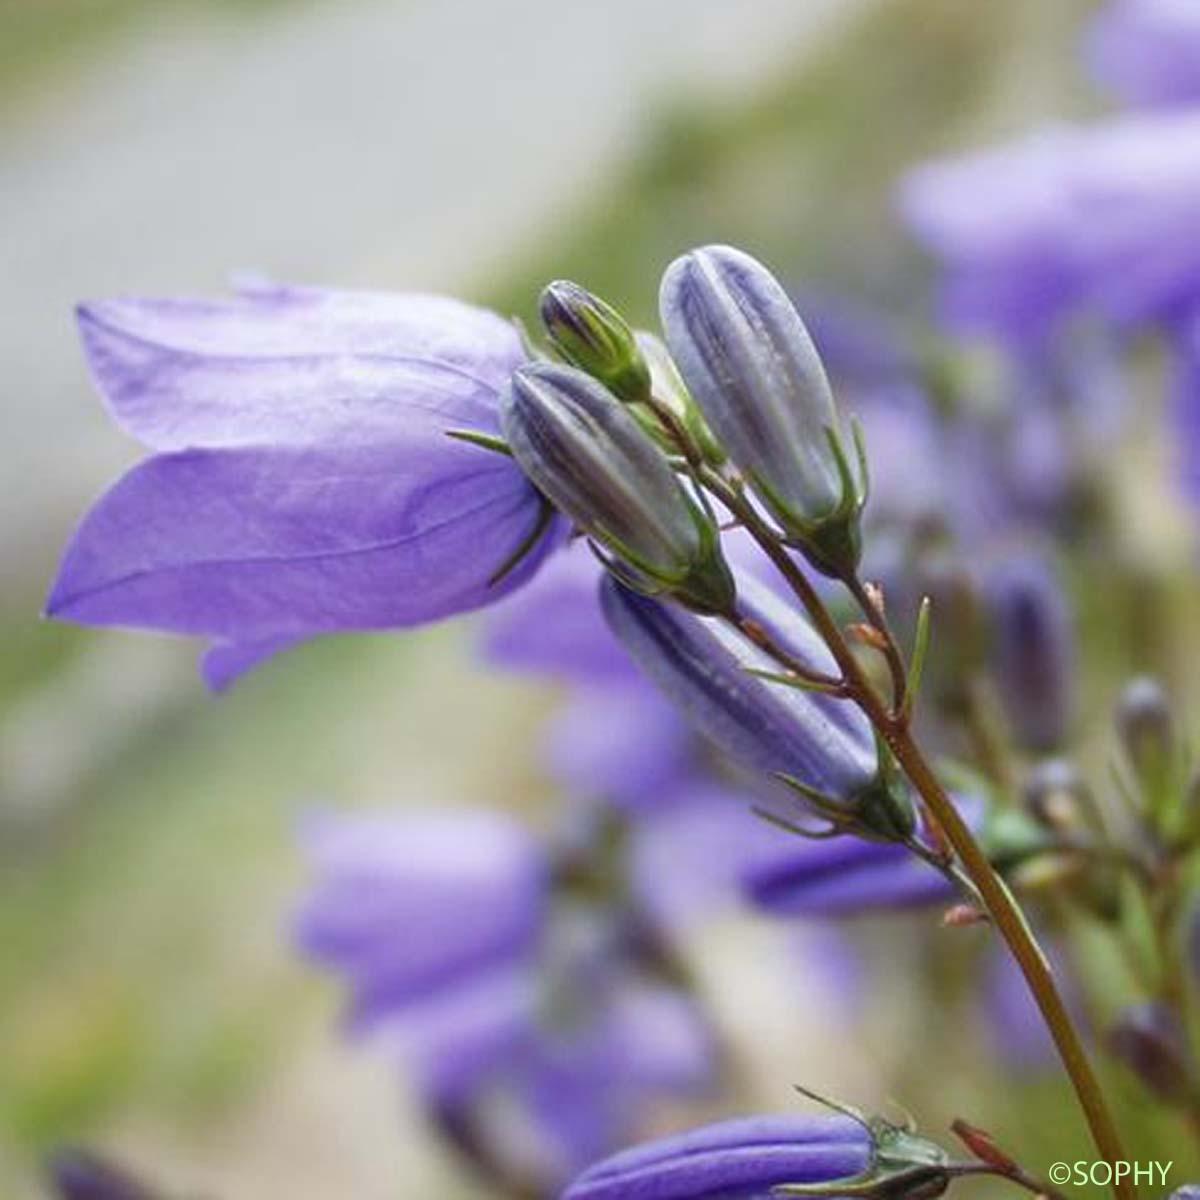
[[1102, 217], [841, 876], [586, 1084], [554, 627], [845, 876], [1017, 1035], [626, 746], [688, 852], [861, 346], [742, 1159], [1147, 51], [615, 738], [302, 480], [78, 1174], [1185, 404], [492, 995], [1033, 648], [404, 908]]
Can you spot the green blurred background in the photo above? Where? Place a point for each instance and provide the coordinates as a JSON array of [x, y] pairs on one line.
[[147, 864]]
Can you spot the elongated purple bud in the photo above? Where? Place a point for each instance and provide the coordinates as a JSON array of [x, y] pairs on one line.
[[1146, 724], [1033, 651], [750, 365], [594, 462], [705, 668], [733, 1160], [754, 1157]]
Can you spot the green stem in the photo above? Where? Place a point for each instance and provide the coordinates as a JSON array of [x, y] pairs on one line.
[[1001, 907]]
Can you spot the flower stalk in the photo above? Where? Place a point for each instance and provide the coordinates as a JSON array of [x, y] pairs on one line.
[[894, 727]]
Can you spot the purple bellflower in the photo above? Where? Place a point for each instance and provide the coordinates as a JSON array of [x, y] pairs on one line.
[[754, 1157], [824, 745], [1033, 649], [1101, 218], [1147, 51], [741, 1159], [840, 877], [536, 1035], [591, 457], [302, 480], [748, 360], [405, 908], [615, 737]]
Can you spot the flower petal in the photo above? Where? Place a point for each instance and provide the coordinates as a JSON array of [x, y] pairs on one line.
[[733, 1160], [224, 663], [406, 907], [173, 395], [248, 544], [288, 321]]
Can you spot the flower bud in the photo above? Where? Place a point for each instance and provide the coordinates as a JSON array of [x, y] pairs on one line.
[[1148, 1039], [82, 1175], [593, 336], [1147, 728], [593, 461], [1033, 651], [753, 1157], [820, 743], [748, 361], [733, 1160], [1058, 798], [670, 392]]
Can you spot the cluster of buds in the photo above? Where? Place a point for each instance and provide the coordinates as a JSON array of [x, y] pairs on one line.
[[607, 429], [626, 436]]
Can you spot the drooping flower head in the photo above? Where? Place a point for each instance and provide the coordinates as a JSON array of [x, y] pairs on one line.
[[1033, 649], [302, 480]]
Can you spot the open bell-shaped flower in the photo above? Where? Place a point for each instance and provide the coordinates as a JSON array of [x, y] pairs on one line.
[[752, 368], [594, 462], [302, 481]]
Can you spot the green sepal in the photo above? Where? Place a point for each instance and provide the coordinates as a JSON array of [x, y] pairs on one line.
[[904, 1165], [546, 512], [486, 441], [916, 663], [800, 682]]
